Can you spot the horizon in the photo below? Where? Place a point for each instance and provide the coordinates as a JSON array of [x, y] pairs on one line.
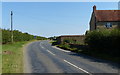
[[51, 18]]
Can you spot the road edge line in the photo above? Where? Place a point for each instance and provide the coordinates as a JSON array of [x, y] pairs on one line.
[[76, 67]]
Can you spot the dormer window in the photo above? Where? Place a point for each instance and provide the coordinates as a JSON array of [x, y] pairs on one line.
[[108, 25]]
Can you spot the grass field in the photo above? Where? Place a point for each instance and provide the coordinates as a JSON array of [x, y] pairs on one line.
[[12, 57]]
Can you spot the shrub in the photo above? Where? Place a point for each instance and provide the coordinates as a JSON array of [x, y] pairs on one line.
[[71, 41], [66, 41], [106, 41], [18, 36], [64, 46]]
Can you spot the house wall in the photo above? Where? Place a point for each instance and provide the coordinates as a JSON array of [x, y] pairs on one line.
[[118, 24], [92, 22], [101, 25]]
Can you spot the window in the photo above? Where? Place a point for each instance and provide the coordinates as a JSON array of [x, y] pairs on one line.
[[108, 25]]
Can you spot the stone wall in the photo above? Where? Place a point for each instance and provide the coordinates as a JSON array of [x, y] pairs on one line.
[[101, 25], [76, 38]]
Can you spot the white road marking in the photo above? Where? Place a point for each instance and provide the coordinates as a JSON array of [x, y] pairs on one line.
[[47, 50], [64, 50], [76, 67], [61, 49], [41, 46], [51, 52]]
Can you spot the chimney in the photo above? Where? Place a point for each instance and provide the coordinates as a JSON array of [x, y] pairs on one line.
[[94, 8]]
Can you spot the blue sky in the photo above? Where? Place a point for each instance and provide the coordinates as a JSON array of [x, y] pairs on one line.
[[52, 18]]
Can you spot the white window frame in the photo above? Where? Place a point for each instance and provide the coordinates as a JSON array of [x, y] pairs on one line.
[[108, 25]]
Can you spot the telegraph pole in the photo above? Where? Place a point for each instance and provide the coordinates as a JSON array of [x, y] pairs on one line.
[[11, 27]]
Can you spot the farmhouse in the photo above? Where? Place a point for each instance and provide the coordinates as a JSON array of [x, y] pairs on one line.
[[104, 19], [75, 38]]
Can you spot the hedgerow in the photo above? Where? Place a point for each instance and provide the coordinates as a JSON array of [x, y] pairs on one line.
[[106, 41], [17, 36]]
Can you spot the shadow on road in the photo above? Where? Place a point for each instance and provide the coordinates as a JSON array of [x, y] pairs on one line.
[[93, 59]]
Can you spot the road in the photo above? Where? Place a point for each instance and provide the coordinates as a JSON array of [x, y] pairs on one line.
[[41, 57]]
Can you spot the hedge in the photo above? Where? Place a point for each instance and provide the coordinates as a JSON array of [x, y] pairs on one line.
[[106, 41], [18, 36]]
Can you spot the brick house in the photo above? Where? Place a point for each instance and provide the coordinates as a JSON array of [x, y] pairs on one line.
[[104, 19], [76, 38]]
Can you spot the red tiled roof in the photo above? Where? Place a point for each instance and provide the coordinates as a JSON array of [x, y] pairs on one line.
[[107, 15]]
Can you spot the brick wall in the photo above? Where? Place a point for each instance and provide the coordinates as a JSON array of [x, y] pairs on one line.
[[77, 38]]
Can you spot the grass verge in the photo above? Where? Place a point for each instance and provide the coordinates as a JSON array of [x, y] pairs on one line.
[[12, 57], [0, 58]]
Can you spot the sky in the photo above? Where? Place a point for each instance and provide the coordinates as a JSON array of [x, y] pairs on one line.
[[60, 0], [51, 18]]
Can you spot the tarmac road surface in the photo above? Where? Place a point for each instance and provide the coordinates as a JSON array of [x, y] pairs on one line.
[[42, 57]]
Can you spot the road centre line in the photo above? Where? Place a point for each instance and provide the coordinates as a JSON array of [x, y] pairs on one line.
[[47, 50], [41, 45], [68, 61], [77, 67], [57, 48], [50, 52]]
